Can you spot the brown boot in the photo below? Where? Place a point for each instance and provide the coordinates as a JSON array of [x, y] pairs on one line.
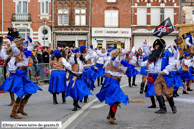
[[108, 117], [112, 121], [12, 99], [21, 108], [14, 113]]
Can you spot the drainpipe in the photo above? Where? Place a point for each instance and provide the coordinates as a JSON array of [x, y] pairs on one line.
[[89, 33], [52, 23], [179, 11], [132, 24], [2, 17]]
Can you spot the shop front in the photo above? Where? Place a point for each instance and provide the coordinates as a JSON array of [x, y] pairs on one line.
[[140, 35], [107, 37], [70, 40]]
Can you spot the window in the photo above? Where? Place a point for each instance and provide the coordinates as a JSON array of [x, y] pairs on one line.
[[63, 16], [141, 16], [22, 7], [155, 16], [169, 12], [45, 7], [111, 18], [80, 17], [24, 33], [111, 1]]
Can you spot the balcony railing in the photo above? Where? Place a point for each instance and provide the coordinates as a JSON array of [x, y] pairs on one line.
[[21, 18]]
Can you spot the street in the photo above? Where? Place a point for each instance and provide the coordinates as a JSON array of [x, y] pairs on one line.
[[135, 115]]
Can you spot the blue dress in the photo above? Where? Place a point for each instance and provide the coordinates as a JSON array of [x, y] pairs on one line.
[[131, 71], [105, 83], [80, 89], [178, 81], [89, 77], [57, 82], [100, 70], [20, 84], [185, 75], [143, 70], [112, 93]]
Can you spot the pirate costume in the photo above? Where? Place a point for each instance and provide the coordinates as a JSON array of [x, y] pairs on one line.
[[161, 62]]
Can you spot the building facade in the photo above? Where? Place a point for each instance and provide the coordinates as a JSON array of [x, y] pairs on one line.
[[30, 17], [71, 23], [111, 23], [148, 14], [187, 11]]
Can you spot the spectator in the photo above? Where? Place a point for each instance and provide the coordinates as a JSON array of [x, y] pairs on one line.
[[39, 56], [35, 62], [66, 53], [45, 55]]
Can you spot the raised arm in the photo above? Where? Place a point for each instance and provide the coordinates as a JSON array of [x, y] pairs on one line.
[[66, 64], [30, 44]]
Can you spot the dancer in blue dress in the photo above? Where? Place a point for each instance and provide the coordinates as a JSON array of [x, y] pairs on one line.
[[77, 88], [89, 71], [10, 61], [22, 86], [112, 93], [178, 81], [185, 74], [99, 64], [131, 71], [143, 71], [57, 83]]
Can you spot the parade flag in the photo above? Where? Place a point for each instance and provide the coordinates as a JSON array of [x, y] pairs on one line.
[[164, 28]]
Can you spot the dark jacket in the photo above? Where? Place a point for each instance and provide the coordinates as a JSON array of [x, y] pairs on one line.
[[45, 57], [39, 57]]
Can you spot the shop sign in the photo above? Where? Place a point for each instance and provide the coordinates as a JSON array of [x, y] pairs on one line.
[[111, 32]]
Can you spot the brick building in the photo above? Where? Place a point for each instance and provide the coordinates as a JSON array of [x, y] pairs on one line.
[[148, 14], [30, 17], [187, 11], [111, 23], [71, 23]]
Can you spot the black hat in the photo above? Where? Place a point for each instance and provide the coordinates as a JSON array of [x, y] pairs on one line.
[[159, 42]]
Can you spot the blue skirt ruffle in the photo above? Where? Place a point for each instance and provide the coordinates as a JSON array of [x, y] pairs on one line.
[[20, 84], [191, 70], [131, 71], [150, 88], [178, 81], [106, 82], [79, 90], [143, 70], [185, 75], [94, 73], [100, 71], [57, 82], [88, 77], [112, 93]]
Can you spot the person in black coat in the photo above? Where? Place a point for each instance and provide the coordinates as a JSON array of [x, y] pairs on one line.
[[45, 55]]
